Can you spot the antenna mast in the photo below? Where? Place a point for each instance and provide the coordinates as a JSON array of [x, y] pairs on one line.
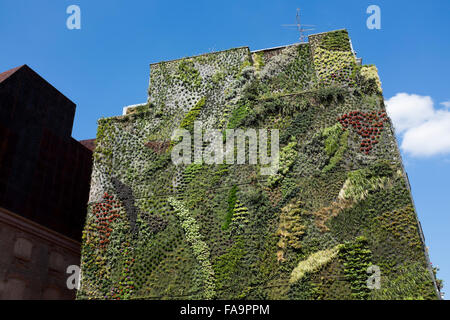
[[300, 27]]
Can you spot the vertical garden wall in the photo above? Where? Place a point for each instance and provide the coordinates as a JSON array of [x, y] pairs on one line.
[[339, 204]]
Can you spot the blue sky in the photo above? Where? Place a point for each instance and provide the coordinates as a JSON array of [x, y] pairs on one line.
[[105, 65]]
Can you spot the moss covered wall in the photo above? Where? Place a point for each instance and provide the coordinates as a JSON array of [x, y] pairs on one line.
[[339, 203]]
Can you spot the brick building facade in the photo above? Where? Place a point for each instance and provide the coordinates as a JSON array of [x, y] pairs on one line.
[[44, 187]]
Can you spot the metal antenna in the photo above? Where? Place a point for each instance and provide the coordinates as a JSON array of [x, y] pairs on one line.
[[300, 27]]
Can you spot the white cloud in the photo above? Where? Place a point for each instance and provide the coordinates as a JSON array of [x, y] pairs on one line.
[[425, 130], [430, 138], [446, 104], [409, 110]]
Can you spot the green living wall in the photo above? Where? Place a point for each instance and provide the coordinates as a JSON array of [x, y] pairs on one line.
[[339, 204]]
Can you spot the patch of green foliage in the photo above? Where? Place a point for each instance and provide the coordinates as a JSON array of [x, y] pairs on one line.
[[287, 157], [336, 41], [191, 171], [240, 217], [356, 257], [305, 289], [297, 75], [218, 77], [258, 60], [228, 265], [244, 65], [189, 74], [199, 247], [231, 205], [188, 121], [408, 281], [336, 143], [238, 114], [363, 181]]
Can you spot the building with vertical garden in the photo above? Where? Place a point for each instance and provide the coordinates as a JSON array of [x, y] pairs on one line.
[[338, 209]]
